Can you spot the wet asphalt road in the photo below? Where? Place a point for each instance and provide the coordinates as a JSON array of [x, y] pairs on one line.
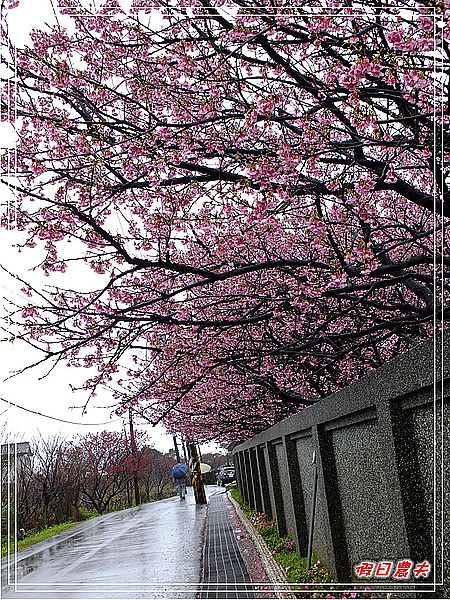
[[152, 551]]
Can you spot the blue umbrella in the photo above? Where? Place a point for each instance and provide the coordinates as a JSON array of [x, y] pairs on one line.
[[179, 470]]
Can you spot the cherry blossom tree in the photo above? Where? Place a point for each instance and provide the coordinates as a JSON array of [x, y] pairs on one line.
[[261, 190], [55, 482], [156, 478], [105, 460]]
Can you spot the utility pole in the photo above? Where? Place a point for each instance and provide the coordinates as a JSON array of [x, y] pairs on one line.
[[175, 445], [129, 498], [137, 497], [185, 454], [198, 482]]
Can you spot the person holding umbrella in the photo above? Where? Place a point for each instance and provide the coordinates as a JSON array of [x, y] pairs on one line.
[[179, 472]]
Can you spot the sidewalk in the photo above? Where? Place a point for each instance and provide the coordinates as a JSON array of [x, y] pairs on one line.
[[158, 550]]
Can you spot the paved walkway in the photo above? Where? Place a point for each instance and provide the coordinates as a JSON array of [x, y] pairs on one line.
[[153, 551]]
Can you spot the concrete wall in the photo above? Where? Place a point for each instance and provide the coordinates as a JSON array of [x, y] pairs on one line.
[[382, 452]]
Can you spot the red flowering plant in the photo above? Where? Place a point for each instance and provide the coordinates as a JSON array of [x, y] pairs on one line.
[[260, 520], [285, 546], [239, 210]]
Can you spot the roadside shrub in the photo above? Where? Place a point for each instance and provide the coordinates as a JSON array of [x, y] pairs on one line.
[[85, 513]]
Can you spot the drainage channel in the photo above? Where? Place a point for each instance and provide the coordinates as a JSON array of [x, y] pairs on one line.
[[225, 575]]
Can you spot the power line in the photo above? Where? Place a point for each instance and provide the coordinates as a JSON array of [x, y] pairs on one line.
[[35, 412], [13, 292]]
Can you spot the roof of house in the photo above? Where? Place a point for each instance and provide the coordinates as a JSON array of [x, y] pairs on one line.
[[16, 447]]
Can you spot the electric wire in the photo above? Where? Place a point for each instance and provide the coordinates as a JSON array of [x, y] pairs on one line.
[[35, 412]]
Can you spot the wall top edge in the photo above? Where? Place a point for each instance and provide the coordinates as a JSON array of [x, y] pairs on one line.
[[418, 368]]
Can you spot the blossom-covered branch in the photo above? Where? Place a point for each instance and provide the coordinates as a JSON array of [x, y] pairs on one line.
[[261, 192]]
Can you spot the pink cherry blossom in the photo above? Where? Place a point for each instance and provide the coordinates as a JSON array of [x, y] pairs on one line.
[[249, 199]]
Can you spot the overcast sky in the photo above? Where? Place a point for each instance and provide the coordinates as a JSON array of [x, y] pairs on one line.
[[50, 395]]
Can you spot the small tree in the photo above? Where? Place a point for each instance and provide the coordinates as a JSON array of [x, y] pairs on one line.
[[56, 482], [157, 479], [104, 461]]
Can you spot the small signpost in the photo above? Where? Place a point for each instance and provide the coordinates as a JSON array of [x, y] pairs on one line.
[[313, 511]]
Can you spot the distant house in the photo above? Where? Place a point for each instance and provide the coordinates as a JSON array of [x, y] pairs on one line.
[[14, 458]]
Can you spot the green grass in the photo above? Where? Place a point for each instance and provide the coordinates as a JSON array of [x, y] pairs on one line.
[[36, 537]]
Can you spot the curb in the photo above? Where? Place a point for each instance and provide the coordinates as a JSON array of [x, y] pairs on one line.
[[275, 572]]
